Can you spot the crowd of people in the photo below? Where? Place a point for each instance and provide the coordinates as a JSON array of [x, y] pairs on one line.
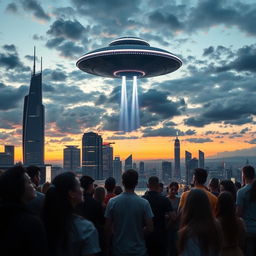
[[74, 217]]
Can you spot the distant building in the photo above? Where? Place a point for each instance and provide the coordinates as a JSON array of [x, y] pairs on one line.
[[141, 168], [192, 165], [188, 157], [134, 166], [117, 170], [92, 162], [128, 163], [33, 122], [107, 151], [71, 158], [7, 157], [142, 177], [176, 173], [167, 172], [201, 159]]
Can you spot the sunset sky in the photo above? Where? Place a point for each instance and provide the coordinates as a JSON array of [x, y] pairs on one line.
[[209, 101]]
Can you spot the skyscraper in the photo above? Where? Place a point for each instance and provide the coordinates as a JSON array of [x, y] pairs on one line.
[[7, 157], [117, 170], [188, 157], [71, 158], [141, 168], [33, 122], [128, 163], [107, 151], [192, 165], [167, 172], [177, 159], [201, 159], [92, 155]]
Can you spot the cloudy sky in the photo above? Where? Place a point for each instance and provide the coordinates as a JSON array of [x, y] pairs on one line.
[[210, 101]]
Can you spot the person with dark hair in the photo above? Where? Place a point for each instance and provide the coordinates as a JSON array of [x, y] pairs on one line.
[[246, 207], [156, 241], [67, 233], [20, 231], [173, 228], [118, 190], [232, 226], [36, 204], [90, 208], [99, 195], [214, 186], [238, 185], [229, 186], [200, 233], [199, 179], [110, 185], [128, 216]]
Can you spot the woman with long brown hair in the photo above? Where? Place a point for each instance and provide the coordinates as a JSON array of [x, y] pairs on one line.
[[199, 234], [232, 226]]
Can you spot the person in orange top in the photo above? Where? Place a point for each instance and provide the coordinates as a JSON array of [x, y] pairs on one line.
[[199, 179], [110, 185]]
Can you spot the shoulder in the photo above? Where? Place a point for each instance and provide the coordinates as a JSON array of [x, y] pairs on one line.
[[82, 225]]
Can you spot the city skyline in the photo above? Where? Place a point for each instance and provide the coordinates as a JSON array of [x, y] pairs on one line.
[[209, 101]]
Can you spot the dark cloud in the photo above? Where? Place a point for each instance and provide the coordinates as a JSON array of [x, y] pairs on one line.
[[162, 132], [252, 141], [37, 10], [10, 47], [69, 29], [38, 37], [190, 132], [77, 119], [245, 130], [10, 97], [56, 75], [70, 49], [208, 51], [30, 57], [157, 102], [245, 60], [12, 8], [11, 60], [199, 140], [122, 138], [52, 43], [110, 122]]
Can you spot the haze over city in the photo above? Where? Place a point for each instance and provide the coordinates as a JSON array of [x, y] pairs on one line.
[[208, 102]]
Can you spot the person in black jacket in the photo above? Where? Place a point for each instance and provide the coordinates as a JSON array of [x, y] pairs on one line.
[[21, 233]]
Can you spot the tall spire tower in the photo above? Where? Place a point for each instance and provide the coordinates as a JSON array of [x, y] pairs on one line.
[[176, 174], [33, 121]]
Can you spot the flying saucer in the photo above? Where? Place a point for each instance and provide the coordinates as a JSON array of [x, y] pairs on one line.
[[129, 57]]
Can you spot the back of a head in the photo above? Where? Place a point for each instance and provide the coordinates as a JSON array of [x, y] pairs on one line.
[[110, 184], [57, 210], [86, 181], [214, 183], [197, 221], [174, 184], [248, 172], [200, 175], [197, 207], [153, 182], [12, 184], [130, 179], [99, 194], [226, 205], [33, 171], [229, 186], [118, 190]]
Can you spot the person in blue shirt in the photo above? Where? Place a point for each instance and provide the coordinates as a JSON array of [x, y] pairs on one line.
[[246, 208], [128, 217]]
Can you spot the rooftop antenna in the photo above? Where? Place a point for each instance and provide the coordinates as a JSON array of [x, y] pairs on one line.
[[177, 134], [34, 66], [41, 64]]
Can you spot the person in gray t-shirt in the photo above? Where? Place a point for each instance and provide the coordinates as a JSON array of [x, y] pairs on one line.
[[128, 216], [246, 207]]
